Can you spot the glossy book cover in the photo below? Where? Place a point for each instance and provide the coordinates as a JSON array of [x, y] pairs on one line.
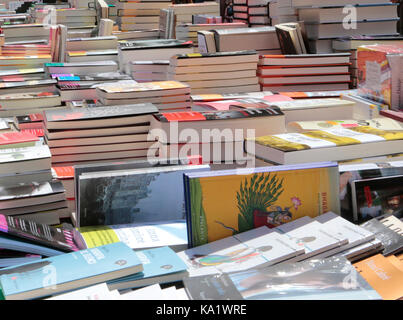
[[223, 203]]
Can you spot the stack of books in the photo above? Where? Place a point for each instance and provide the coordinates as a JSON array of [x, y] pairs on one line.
[[304, 72], [380, 74], [177, 14], [149, 71], [136, 35], [165, 95], [146, 50], [21, 33], [188, 31], [21, 104], [351, 44], [70, 17], [328, 21], [66, 176], [253, 12], [92, 49], [221, 72], [282, 11], [139, 15], [79, 135], [262, 39]]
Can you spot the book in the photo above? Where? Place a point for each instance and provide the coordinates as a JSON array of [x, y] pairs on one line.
[[382, 275], [391, 240], [138, 236], [256, 119], [147, 202], [373, 197], [290, 38], [9, 140], [258, 247], [242, 205], [95, 292], [327, 279], [63, 239], [160, 265], [353, 43], [396, 115], [74, 270], [335, 143]]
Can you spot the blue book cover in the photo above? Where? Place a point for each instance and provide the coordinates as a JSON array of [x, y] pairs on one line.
[[160, 265], [69, 271]]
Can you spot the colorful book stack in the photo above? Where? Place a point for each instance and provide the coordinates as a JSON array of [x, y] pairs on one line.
[[80, 135], [216, 73], [165, 95], [139, 15], [305, 72]]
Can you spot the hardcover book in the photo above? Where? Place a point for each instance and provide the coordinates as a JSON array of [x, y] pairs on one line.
[[74, 270], [223, 203], [139, 195]]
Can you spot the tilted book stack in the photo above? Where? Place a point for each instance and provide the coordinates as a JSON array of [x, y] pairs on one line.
[[215, 73], [80, 135], [304, 72], [165, 95]]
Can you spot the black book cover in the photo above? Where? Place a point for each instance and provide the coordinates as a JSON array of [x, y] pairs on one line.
[[391, 240], [286, 44], [24, 230]]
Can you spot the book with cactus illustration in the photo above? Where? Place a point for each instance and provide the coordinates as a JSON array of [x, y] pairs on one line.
[[224, 203]]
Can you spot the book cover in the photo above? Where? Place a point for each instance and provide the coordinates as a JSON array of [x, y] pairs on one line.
[[254, 248], [63, 239], [139, 87], [226, 202], [158, 264], [20, 139], [374, 197], [382, 275], [133, 196], [33, 189], [155, 44], [328, 279], [69, 271]]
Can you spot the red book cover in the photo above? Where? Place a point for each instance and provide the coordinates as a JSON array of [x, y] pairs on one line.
[[395, 115], [16, 137], [64, 172], [35, 132]]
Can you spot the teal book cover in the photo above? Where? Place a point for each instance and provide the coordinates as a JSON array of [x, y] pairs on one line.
[[158, 263], [69, 271]]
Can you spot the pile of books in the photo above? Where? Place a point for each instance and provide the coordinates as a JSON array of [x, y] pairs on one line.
[[139, 15], [146, 50], [70, 17], [328, 21], [262, 39], [221, 72], [188, 31], [253, 12], [21, 33], [148, 71], [165, 95], [305, 72], [92, 49], [282, 11], [79, 135]]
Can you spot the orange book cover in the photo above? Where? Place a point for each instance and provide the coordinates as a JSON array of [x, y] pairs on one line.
[[383, 275]]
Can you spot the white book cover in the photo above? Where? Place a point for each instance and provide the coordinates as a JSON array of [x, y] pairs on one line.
[[153, 292], [23, 154], [255, 248], [313, 237]]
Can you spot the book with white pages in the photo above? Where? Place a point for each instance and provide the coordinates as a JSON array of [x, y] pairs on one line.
[[258, 247], [96, 292]]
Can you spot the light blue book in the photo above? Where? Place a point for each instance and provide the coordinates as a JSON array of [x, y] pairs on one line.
[[69, 271], [16, 245], [161, 265]]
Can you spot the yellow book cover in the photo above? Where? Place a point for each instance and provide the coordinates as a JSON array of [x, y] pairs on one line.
[[147, 86], [222, 203]]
